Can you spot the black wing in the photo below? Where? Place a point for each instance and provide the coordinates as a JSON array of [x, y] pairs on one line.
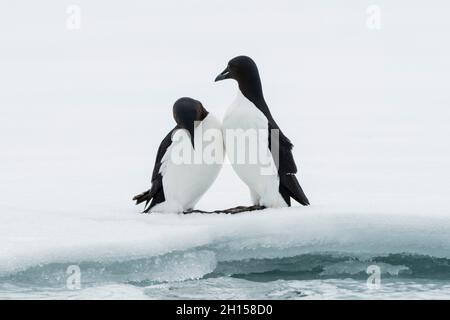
[[289, 185], [156, 193]]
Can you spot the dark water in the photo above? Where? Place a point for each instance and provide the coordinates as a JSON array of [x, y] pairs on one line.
[[198, 274]]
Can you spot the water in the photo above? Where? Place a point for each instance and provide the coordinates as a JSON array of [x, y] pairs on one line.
[[197, 275]]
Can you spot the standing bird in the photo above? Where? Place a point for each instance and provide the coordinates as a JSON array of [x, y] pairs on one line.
[[179, 180], [250, 112]]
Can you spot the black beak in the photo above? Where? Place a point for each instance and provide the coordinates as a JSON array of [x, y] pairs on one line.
[[224, 75]]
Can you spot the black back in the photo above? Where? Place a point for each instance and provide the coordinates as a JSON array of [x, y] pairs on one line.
[[156, 193]]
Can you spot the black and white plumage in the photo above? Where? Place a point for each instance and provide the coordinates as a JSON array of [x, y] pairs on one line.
[[178, 185], [250, 111]]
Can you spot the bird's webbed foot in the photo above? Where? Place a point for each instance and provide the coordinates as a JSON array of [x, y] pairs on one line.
[[241, 209], [189, 211], [238, 209]]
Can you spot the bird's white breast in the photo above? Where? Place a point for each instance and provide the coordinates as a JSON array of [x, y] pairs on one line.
[[243, 120], [184, 182]]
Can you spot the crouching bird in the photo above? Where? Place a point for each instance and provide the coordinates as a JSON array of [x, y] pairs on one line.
[[188, 160], [250, 113]]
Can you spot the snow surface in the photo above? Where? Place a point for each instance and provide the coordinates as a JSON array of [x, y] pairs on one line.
[[269, 234], [83, 112]]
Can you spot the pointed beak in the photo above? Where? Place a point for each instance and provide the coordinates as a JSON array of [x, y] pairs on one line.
[[225, 74]]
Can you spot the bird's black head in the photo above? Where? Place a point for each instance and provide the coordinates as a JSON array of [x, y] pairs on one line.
[[244, 70], [186, 112], [241, 68]]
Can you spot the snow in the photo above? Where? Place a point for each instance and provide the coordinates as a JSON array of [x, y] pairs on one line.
[[83, 112], [270, 234]]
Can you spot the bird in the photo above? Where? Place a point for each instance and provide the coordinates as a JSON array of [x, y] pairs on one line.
[[180, 175], [249, 111]]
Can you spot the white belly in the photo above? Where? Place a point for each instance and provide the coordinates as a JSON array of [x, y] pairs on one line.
[[184, 182], [252, 160]]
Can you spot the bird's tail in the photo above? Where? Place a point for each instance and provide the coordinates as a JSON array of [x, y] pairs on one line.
[[146, 196], [155, 194], [291, 188]]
